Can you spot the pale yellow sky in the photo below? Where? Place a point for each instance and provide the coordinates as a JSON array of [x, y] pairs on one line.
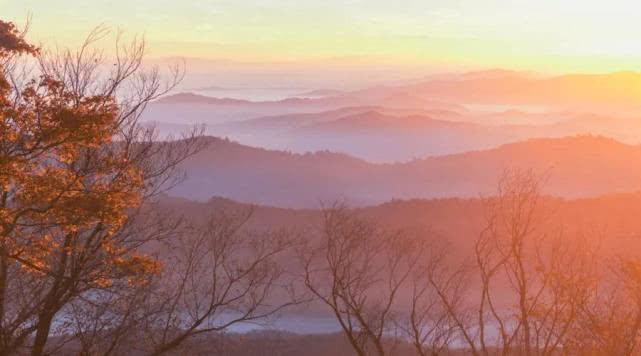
[[544, 35]]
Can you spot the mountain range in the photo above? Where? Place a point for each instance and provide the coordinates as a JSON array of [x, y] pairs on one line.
[[579, 166], [610, 220], [436, 115]]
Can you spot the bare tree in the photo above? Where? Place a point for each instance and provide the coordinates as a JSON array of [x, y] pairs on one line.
[[610, 320], [532, 281], [220, 275], [437, 291], [359, 271]]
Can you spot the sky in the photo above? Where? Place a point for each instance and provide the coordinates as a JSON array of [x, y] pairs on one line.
[[544, 35]]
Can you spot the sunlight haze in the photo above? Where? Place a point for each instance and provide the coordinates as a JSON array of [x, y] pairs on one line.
[[545, 36]]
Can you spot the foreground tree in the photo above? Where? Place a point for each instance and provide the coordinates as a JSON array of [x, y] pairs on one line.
[[610, 320], [532, 282], [437, 293], [358, 271], [88, 256], [76, 168], [225, 274], [216, 274]]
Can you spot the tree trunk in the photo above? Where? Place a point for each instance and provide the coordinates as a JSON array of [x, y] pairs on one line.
[[42, 333]]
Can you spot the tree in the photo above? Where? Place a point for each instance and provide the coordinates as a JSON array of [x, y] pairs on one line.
[[359, 271], [609, 322], [76, 170], [86, 252], [532, 283], [437, 292], [226, 274], [216, 274]]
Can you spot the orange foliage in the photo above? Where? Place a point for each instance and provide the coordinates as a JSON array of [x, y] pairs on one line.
[[61, 174]]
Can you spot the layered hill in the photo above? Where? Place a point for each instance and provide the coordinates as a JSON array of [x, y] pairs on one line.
[[580, 166], [610, 219], [380, 134], [437, 115]]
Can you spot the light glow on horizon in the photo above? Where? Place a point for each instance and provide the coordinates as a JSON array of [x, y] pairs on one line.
[[553, 36]]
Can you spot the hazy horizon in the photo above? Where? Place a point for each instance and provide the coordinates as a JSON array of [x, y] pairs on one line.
[[521, 35]]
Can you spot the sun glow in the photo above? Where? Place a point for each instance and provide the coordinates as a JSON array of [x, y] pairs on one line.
[[555, 36]]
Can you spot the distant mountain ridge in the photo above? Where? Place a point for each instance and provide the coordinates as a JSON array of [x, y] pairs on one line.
[[192, 98], [379, 134], [580, 166]]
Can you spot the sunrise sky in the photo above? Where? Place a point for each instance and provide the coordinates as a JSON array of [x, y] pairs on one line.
[[553, 36]]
